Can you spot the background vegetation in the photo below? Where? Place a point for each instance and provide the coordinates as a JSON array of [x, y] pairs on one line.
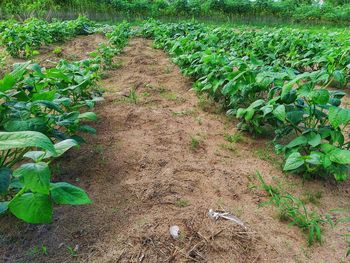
[[307, 11]]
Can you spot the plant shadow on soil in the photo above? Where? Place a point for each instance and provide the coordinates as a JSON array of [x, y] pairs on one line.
[[144, 174]]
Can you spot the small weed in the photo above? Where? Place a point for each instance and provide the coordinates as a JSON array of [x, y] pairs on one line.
[[293, 210], [35, 53], [105, 75], [232, 138], [266, 154], [167, 70], [118, 64], [98, 149], [72, 251], [220, 202], [33, 251], [184, 113], [115, 210], [44, 250], [207, 104], [132, 97], [37, 251], [3, 57], [72, 57], [251, 186], [313, 198], [145, 94], [195, 143], [168, 95], [251, 182], [199, 120], [142, 222], [229, 146], [182, 203], [202, 102], [151, 87], [305, 252], [57, 51]]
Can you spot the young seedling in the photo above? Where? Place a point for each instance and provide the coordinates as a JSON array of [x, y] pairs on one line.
[[72, 251], [168, 95], [182, 203], [233, 138], [57, 51], [132, 97], [184, 113], [195, 143], [229, 147]]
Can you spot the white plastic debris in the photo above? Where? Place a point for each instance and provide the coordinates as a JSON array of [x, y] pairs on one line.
[[217, 215], [174, 231]]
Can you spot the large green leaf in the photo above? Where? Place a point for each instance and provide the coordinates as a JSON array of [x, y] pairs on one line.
[[294, 161], [36, 156], [335, 154], [91, 116], [313, 139], [88, 129], [62, 147], [7, 83], [35, 176], [295, 116], [340, 172], [289, 86], [249, 114], [32, 208], [280, 112], [320, 96], [45, 96], [257, 104], [67, 194], [34, 124], [314, 158], [339, 76], [267, 109], [338, 116], [25, 139], [340, 156], [297, 141], [5, 179]]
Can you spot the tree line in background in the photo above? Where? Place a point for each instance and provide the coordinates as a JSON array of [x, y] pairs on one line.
[[315, 11]]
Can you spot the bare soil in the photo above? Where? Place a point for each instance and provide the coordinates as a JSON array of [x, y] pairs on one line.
[[160, 159]]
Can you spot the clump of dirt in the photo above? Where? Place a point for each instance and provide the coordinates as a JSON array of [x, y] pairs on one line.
[[160, 160]]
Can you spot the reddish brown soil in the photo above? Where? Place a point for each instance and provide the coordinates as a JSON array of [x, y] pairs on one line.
[[160, 160]]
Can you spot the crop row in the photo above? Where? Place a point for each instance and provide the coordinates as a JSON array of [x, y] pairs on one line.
[[24, 39], [271, 81], [43, 113]]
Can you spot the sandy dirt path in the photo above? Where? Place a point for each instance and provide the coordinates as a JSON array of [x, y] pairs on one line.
[[160, 158]]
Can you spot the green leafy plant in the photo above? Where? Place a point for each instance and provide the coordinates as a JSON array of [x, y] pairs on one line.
[[42, 114], [34, 193]]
